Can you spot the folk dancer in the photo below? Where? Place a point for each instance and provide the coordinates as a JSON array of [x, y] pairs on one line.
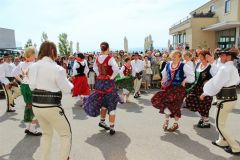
[[203, 73], [223, 85], [105, 97], [48, 81], [169, 100], [80, 81]]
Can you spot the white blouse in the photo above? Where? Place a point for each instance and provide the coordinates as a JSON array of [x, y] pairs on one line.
[[76, 65]]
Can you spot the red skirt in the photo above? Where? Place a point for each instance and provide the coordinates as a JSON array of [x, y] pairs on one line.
[[171, 98], [80, 86]]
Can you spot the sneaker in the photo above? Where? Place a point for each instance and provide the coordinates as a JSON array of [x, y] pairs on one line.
[[36, 133], [200, 122], [204, 125], [104, 125], [11, 110], [112, 131]]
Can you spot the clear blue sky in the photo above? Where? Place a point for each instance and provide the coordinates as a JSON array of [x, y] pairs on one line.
[[92, 21]]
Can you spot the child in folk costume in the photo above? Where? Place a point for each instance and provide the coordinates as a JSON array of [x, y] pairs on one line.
[[125, 81], [223, 85], [80, 81], [21, 74], [169, 100], [203, 73], [105, 97]]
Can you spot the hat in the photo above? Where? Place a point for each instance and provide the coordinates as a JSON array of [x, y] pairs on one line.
[[229, 51]]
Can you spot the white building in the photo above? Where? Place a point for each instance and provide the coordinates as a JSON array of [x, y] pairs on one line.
[[7, 38]]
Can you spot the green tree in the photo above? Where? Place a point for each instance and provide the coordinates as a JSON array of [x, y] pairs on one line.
[[29, 43], [44, 37], [63, 44]]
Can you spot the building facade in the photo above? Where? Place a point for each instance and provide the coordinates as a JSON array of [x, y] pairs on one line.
[[214, 24], [7, 39]]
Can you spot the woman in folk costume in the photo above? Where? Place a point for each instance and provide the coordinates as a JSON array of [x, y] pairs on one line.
[[223, 85], [79, 79], [169, 100], [105, 97], [22, 71], [203, 73], [125, 81]]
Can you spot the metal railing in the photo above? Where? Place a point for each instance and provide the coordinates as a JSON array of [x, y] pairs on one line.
[[182, 21]]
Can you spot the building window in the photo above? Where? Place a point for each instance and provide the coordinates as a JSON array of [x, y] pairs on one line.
[[212, 8], [227, 6]]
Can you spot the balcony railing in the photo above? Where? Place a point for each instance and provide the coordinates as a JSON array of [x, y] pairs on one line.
[[181, 22]]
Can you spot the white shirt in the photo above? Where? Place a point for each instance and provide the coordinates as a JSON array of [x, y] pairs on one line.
[[215, 66], [111, 62], [47, 75], [3, 69], [22, 69], [226, 76], [188, 72], [137, 66], [76, 65]]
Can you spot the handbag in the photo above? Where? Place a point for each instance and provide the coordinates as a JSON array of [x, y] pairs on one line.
[[156, 77]]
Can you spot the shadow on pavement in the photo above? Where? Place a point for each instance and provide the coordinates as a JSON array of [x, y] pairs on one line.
[[112, 147], [236, 111], [208, 133], [192, 147], [8, 116], [24, 150], [78, 113], [131, 107]]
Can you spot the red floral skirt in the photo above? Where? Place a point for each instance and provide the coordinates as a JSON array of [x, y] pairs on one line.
[[171, 98], [193, 103], [80, 86]]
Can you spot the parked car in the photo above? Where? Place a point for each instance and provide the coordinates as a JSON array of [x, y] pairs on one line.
[[13, 52]]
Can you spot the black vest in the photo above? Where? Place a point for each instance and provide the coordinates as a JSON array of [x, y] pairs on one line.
[[80, 69]]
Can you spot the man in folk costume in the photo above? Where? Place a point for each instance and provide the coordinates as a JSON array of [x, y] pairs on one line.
[[169, 101], [137, 72], [48, 82], [125, 81], [223, 85], [9, 85], [21, 74], [105, 97], [80, 81]]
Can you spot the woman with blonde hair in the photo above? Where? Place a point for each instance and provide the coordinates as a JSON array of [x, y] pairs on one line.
[[169, 100], [21, 74]]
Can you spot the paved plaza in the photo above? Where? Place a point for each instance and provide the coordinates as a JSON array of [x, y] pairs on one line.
[[139, 135]]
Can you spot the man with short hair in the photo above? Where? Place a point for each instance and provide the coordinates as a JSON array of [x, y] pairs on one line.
[[137, 71]]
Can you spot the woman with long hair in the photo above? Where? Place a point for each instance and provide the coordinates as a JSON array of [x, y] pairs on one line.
[[48, 81]]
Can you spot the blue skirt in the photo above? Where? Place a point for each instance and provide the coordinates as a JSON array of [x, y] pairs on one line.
[[105, 95]]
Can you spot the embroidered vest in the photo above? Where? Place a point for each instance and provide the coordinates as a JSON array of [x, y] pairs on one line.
[[127, 71], [105, 71], [178, 76], [80, 69]]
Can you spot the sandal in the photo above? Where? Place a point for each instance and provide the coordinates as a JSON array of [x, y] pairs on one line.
[[174, 127]]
